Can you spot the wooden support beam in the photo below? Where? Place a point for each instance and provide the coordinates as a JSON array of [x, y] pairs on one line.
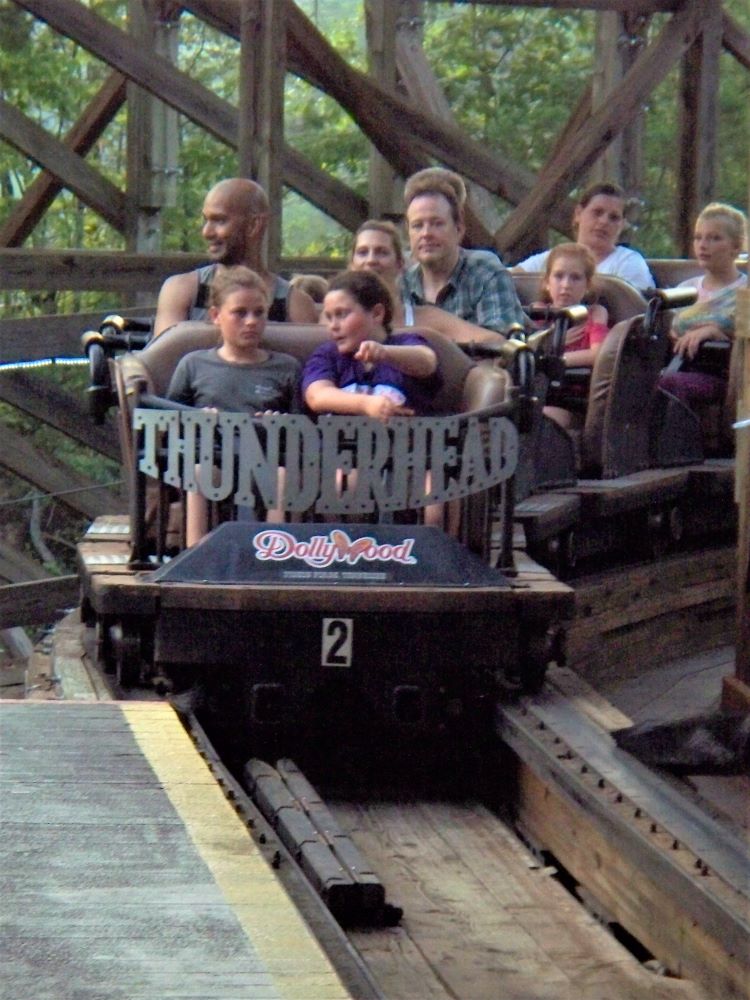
[[323, 190], [374, 109], [536, 238], [80, 139], [424, 91], [71, 170], [735, 39], [77, 492], [619, 38], [152, 129], [150, 71], [419, 135], [15, 566], [560, 174], [261, 117], [698, 118], [633, 163], [59, 409], [606, 76], [381, 22], [102, 270], [197, 103], [90, 269], [626, 6]]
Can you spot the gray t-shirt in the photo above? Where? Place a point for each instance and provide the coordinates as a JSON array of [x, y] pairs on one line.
[[203, 378]]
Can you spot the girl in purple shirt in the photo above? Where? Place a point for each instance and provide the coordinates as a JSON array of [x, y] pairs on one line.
[[365, 369]]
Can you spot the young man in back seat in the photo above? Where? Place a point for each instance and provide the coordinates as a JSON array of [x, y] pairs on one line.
[[598, 222]]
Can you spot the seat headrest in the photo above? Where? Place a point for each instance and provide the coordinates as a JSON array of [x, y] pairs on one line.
[[621, 300], [670, 271]]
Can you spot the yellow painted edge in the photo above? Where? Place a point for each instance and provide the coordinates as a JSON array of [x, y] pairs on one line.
[[269, 918]]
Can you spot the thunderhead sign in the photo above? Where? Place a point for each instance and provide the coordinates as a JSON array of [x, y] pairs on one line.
[[336, 465]]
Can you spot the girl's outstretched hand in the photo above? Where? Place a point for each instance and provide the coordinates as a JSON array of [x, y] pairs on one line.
[[370, 352]]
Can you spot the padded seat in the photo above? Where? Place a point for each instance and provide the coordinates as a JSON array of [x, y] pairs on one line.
[[630, 424], [466, 386], [670, 271], [621, 300]]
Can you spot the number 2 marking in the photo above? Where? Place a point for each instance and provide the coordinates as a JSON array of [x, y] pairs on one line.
[[336, 649]]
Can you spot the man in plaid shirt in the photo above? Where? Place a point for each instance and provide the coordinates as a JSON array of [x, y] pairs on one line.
[[472, 284]]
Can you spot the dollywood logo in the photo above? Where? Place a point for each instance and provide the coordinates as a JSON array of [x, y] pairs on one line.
[[320, 551]]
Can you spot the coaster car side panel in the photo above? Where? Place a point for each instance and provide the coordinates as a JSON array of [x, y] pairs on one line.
[[632, 435]]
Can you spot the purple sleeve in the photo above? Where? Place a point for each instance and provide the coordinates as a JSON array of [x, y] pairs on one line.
[[433, 382], [321, 365]]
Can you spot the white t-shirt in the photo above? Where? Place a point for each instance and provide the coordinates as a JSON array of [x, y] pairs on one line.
[[622, 263], [696, 281]]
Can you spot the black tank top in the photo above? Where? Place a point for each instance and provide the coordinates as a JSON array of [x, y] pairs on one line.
[[199, 309]]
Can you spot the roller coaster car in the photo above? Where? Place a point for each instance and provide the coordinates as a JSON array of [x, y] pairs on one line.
[[348, 625], [630, 474]]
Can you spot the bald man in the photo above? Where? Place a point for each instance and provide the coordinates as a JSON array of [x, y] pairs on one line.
[[235, 216]]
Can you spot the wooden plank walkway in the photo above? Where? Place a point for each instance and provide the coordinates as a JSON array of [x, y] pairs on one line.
[[127, 874]]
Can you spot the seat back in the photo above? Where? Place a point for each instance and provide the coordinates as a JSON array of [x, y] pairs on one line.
[[670, 271], [157, 361], [621, 300], [466, 385], [616, 433]]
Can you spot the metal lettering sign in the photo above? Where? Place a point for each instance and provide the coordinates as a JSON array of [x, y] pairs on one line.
[[337, 465]]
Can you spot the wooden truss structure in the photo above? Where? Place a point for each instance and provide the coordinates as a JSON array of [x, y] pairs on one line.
[[277, 37]]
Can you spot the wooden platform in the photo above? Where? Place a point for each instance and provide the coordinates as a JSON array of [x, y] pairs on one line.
[[127, 873]]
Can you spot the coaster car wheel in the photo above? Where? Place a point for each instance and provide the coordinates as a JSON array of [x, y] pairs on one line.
[[125, 640]]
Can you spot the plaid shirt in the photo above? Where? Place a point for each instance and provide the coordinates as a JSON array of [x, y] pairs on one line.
[[480, 290]]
